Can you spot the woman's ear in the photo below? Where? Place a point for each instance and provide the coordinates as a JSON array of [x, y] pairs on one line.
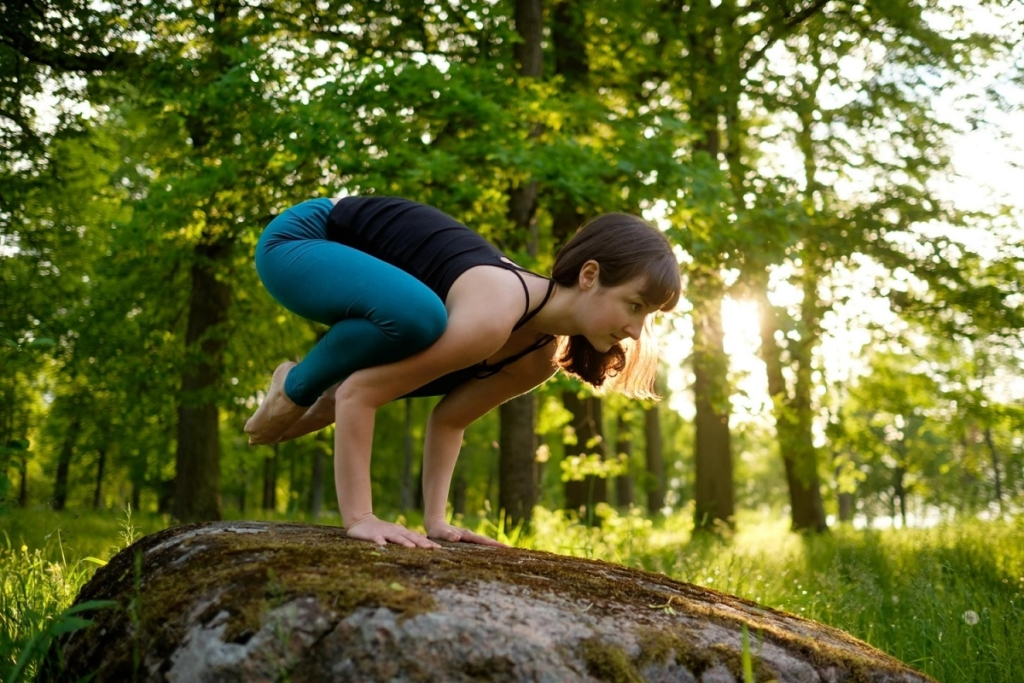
[[589, 275]]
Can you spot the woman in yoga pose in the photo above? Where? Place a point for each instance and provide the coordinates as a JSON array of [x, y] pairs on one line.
[[420, 305]]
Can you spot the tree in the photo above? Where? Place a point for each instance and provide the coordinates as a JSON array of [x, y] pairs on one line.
[[586, 485], [894, 109], [517, 484], [654, 460]]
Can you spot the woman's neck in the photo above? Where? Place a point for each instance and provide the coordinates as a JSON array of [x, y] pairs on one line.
[[557, 316]]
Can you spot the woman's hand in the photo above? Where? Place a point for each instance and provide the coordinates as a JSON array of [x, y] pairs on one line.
[[370, 528], [446, 532]]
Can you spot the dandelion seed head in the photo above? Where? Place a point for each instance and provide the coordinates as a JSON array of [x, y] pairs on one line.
[[971, 617]]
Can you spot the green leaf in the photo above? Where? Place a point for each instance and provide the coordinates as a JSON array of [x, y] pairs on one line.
[[94, 560]]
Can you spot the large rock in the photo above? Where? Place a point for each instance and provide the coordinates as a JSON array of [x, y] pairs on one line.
[[244, 601]]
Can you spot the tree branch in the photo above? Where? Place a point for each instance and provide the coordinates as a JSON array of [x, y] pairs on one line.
[[782, 29], [37, 53]]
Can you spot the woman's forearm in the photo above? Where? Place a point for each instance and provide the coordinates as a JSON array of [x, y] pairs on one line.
[[353, 442], [441, 447]]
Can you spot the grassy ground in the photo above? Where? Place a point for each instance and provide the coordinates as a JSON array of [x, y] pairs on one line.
[[949, 600]]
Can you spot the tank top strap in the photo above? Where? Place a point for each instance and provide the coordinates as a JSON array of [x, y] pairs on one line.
[[527, 313], [483, 370]]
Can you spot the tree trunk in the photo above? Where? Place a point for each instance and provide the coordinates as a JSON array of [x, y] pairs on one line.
[[529, 56], [845, 501], [23, 484], [459, 495], [137, 474], [165, 496], [67, 451], [655, 461], [316, 492], [713, 494], [294, 485], [517, 493], [710, 60], [197, 486], [583, 496], [900, 494], [407, 502], [807, 511], [792, 425], [995, 466], [270, 481], [243, 488], [845, 507], [624, 449], [529, 51], [802, 464], [97, 495], [517, 489]]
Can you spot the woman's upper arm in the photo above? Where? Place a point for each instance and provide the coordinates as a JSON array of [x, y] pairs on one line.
[[473, 334], [477, 397]]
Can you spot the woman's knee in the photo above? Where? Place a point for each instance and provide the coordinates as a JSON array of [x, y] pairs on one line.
[[425, 323], [410, 321]]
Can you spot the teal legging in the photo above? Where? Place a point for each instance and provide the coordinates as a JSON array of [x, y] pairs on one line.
[[378, 313]]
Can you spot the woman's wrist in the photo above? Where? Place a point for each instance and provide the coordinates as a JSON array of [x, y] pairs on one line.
[[434, 515], [353, 518], [433, 520]]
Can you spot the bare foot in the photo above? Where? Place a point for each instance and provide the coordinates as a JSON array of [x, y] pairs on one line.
[[319, 415], [276, 413]]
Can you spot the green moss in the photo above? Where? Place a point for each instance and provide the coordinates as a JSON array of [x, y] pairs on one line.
[[822, 655], [607, 662], [733, 661], [248, 574], [658, 645], [256, 574]]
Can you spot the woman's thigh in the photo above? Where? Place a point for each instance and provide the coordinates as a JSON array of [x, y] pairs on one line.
[[329, 282]]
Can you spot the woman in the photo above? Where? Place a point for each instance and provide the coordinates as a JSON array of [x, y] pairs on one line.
[[420, 305]]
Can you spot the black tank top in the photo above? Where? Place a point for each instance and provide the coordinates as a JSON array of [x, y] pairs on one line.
[[434, 248], [427, 243]]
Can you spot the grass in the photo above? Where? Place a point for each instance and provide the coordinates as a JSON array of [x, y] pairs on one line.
[[948, 600]]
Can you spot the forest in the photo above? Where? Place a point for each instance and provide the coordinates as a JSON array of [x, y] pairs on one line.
[[841, 430], [797, 154]]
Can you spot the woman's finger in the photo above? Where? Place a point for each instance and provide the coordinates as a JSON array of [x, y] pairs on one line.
[[483, 540], [402, 540], [412, 539], [467, 536]]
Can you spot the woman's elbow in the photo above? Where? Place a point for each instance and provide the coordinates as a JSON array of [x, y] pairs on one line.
[[447, 419]]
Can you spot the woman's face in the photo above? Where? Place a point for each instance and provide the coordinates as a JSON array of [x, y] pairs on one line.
[[611, 314]]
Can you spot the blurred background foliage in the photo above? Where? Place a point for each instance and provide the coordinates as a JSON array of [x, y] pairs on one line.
[[795, 154]]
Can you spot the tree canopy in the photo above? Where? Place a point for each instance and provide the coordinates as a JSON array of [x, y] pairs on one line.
[[792, 152]]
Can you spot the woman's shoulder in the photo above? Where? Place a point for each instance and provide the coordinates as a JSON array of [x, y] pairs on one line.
[[493, 292]]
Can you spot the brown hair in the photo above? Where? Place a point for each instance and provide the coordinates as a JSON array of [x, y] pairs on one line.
[[625, 247]]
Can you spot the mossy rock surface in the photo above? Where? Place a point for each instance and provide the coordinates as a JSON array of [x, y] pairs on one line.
[[247, 601]]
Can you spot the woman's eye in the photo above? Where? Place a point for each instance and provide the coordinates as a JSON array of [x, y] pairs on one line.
[[634, 307]]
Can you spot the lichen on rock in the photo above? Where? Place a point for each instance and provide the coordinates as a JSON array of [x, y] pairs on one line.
[[245, 601]]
